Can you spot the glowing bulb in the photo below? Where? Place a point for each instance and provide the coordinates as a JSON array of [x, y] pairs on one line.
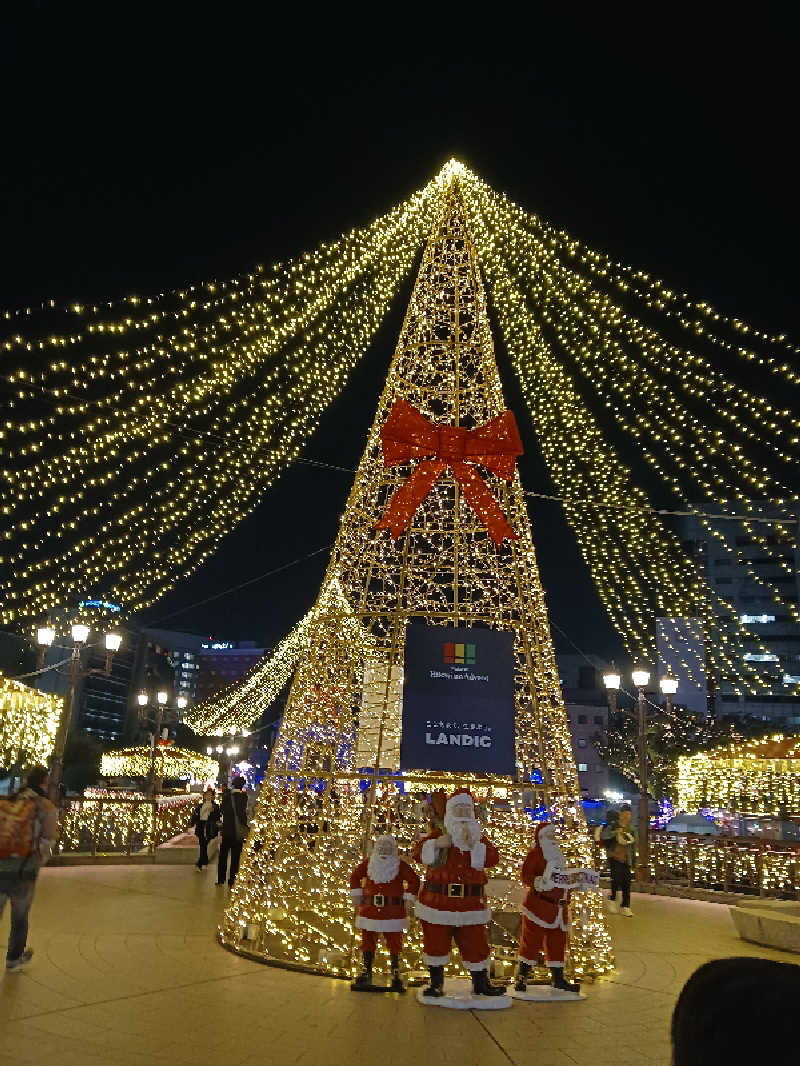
[[45, 636]]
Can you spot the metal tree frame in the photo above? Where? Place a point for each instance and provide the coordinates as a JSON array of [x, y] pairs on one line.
[[290, 904]]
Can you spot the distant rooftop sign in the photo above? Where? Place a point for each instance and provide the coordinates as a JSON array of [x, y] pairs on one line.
[[220, 645], [759, 619], [101, 603]]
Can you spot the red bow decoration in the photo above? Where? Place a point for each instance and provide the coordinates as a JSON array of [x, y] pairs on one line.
[[407, 434]]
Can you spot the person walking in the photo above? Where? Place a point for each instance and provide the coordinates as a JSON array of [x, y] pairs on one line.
[[28, 834], [234, 831], [205, 819], [619, 839]]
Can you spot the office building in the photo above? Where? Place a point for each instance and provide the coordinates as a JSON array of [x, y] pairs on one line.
[[587, 714], [756, 572]]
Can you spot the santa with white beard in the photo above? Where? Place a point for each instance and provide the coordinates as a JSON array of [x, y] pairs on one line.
[[545, 910], [382, 889], [452, 903]]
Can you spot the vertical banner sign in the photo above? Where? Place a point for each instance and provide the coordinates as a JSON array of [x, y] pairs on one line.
[[458, 700]]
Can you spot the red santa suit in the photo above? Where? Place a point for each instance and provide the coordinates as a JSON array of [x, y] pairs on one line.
[[382, 904], [545, 907], [452, 902]]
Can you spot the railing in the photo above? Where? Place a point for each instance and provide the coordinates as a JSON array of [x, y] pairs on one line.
[[93, 825], [724, 864]]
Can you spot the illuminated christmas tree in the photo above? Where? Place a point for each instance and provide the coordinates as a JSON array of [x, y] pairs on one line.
[[426, 537]]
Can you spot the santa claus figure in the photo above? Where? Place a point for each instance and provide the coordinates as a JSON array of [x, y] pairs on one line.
[[545, 919], [382, 889], [452, 902]]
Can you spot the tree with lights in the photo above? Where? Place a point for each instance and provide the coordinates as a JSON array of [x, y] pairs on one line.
[[438, 542]]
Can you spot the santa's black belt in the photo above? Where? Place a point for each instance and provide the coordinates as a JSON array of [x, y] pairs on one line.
[[455, 889], [381, 901]]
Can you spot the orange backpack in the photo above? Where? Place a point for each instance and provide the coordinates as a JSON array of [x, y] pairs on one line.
[[18, 826]]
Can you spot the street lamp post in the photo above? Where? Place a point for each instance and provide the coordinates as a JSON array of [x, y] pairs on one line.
[[155, 780], [641, 679], [80, 635], [226, 753]]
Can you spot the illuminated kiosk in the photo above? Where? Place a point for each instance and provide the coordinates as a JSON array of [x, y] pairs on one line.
[[448, 565]]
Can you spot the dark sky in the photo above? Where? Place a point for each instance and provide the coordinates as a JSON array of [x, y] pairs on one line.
[[140, 155]]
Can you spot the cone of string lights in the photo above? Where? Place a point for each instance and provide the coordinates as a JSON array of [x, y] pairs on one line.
[[319, 807]]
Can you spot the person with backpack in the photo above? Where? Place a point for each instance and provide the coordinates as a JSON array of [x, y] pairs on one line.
[[234, 830], [28, 834]]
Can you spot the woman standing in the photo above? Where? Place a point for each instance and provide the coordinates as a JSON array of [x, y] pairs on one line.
[[205, 819]]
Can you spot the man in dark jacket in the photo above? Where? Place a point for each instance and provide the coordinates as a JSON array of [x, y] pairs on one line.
[[234, 830]]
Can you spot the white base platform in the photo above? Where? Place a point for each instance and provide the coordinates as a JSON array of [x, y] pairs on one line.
[[458, 996], [547, 994]]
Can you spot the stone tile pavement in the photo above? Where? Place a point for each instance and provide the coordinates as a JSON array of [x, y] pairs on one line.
[[127, 972]]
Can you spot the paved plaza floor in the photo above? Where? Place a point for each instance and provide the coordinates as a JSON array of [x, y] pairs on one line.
[[127, 971]]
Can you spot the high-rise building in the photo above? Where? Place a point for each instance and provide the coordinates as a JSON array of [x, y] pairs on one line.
[[756, 571]]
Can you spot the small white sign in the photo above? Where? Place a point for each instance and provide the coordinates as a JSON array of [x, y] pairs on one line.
[[576, 880]]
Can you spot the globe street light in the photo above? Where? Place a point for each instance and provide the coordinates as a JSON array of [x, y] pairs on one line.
[[45, 635], [669, 686], [612, 682]]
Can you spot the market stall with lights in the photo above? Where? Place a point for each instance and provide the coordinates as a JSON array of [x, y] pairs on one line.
[[758, 777]]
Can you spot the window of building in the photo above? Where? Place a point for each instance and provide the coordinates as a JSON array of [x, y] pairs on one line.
[[598, 719], [756, 619], [582, 767], [582, 719], [582, 743]]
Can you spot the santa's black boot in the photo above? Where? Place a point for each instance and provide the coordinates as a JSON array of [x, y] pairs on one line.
[[559, 982], [482, 986], [436, 987], [523, 971], [397, 983], [364, 980]]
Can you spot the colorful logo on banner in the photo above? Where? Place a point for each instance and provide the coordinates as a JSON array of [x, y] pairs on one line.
[[458, 700], [463, 654]]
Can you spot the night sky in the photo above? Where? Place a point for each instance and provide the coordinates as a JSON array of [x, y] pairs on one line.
[[141, 156]]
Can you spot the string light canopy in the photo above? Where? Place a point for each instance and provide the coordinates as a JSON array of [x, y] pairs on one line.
[[758, 777], [141, 430], [28, 723]]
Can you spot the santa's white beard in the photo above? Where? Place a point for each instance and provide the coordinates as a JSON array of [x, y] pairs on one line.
[[382, 869], [553, 855], [464, 832]]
